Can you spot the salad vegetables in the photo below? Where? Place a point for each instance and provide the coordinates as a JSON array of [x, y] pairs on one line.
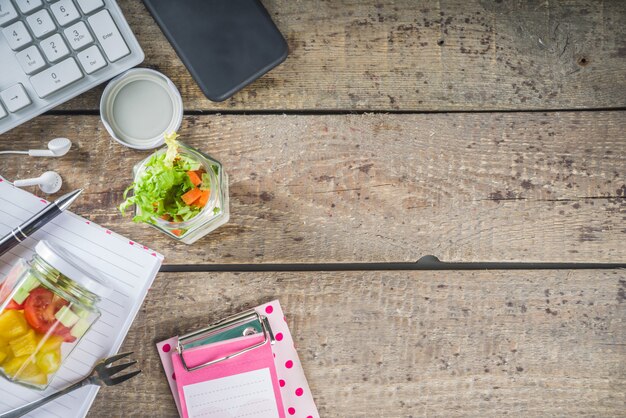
[[173, 187]]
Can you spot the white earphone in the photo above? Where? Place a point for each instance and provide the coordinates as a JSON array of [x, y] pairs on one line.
[[49, 182], [57, 147]]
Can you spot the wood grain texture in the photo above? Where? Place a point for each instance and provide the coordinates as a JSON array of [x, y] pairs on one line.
[[382, 344], [464, 187], [429, 55]]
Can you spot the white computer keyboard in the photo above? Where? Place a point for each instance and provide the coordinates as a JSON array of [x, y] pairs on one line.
[[53, 50]]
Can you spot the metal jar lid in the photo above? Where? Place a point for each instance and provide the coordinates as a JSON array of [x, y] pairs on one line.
[[139, 107]]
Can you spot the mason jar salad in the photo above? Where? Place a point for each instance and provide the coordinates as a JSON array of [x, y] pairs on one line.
[[47, 305], [180, 191]]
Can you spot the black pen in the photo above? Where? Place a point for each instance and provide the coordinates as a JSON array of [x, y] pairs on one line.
[[37, 221]]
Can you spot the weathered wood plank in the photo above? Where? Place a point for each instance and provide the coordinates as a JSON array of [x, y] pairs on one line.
[[431, 55], [464, 187], [383, 344]]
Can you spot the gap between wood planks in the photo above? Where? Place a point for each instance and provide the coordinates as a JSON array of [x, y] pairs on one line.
[[323, 112], [428, 262]]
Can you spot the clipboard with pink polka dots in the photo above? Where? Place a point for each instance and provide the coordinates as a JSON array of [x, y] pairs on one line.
[[244, 390]]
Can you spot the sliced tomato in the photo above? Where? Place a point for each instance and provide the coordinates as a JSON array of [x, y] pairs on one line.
[[39, 310], [13, 305], [65, 333]]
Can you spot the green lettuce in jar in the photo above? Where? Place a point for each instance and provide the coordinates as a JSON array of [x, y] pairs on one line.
[[172, 187]]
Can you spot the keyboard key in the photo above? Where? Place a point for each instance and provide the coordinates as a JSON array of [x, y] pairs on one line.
[[3, 112], [65, 12], [54, 47], [91, 59], [17, 35], [108, 35], [56, 77], [15, 98], [7, 12], [78, 35], [41, 23], [88, 6], [27, 6], [30, 59]]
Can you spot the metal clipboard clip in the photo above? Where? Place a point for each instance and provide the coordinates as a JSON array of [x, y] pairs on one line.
[[240, 325]]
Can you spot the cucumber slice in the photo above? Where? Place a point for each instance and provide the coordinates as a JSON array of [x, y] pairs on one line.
[[30, 283], [20, 296], [66, 317], [80, 328], [24, 290], [82, 313]]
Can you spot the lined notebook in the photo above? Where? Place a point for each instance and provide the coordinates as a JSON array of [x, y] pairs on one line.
[[130, 268]]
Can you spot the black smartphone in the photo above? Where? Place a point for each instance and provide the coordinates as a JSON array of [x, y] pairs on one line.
[[225, 44]]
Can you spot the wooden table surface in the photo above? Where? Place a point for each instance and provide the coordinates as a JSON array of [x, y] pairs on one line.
[[470, 130]]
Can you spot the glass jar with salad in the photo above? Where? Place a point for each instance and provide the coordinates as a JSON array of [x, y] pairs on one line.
[[46, 307], [179, 191]]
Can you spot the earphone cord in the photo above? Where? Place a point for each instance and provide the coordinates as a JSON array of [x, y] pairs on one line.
[[13, 152]]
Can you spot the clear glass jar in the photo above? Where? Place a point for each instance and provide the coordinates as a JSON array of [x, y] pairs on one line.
[[46, 307], [213, 215]]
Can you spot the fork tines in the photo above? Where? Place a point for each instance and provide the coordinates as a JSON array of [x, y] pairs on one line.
[[107, 373], [116, 357], [123, 378], [116, 369]]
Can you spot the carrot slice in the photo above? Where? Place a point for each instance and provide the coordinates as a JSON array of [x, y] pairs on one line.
[[177, 232], [203, 199], [191, 196], [196, 179]]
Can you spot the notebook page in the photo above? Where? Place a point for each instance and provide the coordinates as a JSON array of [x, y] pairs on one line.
[[130, 268], [247, 394]]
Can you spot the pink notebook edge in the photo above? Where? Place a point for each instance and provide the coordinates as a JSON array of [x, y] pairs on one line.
[[296, 395]]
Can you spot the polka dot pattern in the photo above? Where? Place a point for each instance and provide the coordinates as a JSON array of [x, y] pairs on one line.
[[297, 399]]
